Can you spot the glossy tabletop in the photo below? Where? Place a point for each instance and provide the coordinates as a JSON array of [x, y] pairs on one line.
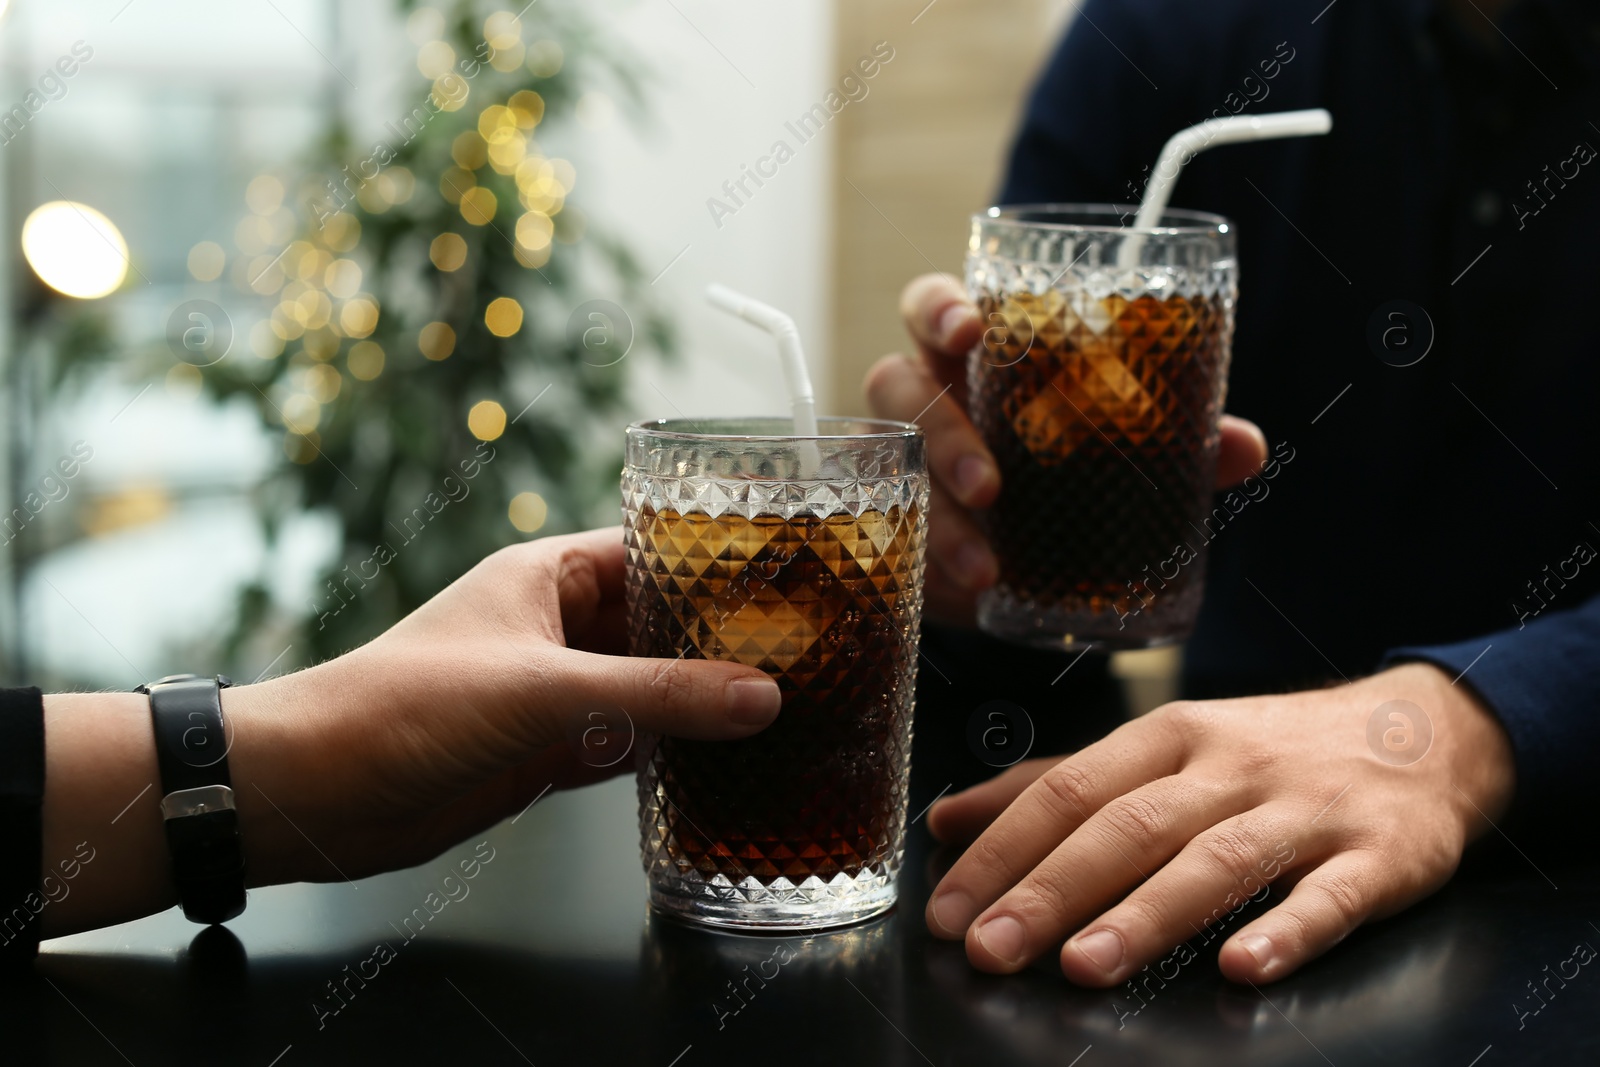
[[547, 954]]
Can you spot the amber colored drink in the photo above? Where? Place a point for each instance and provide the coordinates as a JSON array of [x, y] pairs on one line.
[[802, 824], [813, 796], [1104, 442], [1098, 386]]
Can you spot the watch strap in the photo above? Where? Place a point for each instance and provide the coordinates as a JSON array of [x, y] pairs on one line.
[[202, 825], [207, 864], [191, 743]]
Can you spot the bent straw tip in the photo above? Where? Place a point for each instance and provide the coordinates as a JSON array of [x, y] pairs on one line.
[[722, 297], [1308, 122]]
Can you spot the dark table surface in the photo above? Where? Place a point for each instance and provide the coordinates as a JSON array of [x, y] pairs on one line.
[[549, 955]]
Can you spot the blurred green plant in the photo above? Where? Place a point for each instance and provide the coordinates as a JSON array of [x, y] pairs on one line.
[[418, 293]]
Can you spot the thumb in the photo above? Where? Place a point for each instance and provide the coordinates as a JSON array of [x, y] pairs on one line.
[[701, 699]]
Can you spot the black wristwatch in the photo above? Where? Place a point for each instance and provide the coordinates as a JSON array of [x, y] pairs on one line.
[[197, 802]]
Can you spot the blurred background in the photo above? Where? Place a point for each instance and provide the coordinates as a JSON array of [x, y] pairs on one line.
[[313, 304]]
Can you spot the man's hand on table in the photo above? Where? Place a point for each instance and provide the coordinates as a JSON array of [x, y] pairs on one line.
[[1138, 842], [930, 388]]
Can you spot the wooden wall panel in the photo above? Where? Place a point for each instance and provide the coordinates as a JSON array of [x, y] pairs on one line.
[[921, 152]]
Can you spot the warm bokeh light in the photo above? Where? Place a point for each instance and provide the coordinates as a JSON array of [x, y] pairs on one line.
[[283, 324], [301, 413], [396, 185], [486, 420], [503, 316], [534, 231], [370, 197], [322, 382], [358, 317], [264, 194], [448, 251], [502, 30], [539, 184], [342, 278], [74, 249], [365, 361], [528, 512], [435, 59], [455, 182], [436, 340], [312, 309], [478, 206], [135, 505], [507, 148], [469, 151], [493, 118], [206, 261], [264, 274], [527, 107], [341, 232], [508, 59], [450, 92], [310, 264], [566, 174], [533, 259]]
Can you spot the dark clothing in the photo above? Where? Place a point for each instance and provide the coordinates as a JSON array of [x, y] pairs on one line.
[[21, 800], [1435, 510]]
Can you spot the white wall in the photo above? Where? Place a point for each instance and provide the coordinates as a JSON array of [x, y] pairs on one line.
[[711, 113]]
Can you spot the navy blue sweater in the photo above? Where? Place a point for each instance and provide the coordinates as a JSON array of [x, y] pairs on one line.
[[1448, 510]]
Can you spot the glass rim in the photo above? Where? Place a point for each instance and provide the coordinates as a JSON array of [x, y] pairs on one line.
[[669, 429], [1192, 223]]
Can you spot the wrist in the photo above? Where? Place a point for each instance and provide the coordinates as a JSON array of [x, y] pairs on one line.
[[270, 783], [1469, 741]]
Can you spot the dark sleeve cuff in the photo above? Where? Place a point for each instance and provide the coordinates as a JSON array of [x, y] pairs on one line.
[[21, 824], [1542, 680]]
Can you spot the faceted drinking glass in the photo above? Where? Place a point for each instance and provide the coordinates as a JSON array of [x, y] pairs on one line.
[[1098, 386], [803, 557]]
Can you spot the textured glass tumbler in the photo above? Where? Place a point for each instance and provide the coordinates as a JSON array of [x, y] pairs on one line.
[[803, 557], [1098, 386]]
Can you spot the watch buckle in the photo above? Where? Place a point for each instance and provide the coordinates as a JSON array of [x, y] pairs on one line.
[[197, 801]]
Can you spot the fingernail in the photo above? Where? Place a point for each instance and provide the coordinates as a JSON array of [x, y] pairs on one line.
[[1002, 937], [753, 701], [955, 316], [975, 566], [1259, 947], [1103, 948], [951, 913], [972, 474]]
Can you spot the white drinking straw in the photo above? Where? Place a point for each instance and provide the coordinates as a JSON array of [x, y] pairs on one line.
[[792, 359], [1186, 144]]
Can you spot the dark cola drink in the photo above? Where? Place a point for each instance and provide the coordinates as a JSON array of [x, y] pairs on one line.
[[1098, 386], [803, 824]]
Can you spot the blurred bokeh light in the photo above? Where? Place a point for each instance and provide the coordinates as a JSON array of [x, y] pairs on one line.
[[74, 249]]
